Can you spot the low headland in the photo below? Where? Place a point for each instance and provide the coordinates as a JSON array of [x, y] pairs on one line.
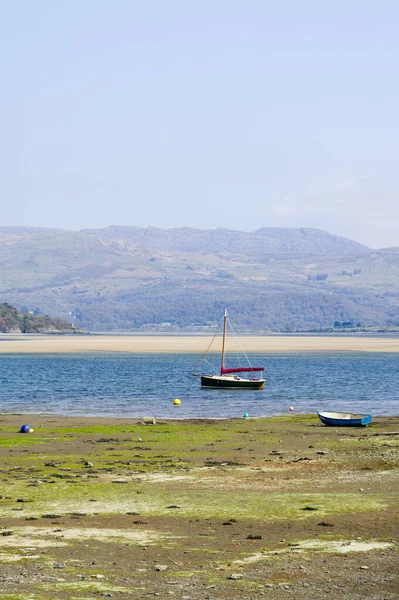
[[16, 321]]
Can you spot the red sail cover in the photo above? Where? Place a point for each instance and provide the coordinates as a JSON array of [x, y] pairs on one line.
[[244, 369]]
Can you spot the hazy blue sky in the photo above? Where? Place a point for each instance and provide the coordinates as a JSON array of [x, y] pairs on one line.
[[201, 113]]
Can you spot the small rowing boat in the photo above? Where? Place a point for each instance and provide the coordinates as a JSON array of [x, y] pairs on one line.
[[344, 419]]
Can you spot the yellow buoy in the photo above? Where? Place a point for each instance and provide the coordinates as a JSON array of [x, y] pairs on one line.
[[176, 402]]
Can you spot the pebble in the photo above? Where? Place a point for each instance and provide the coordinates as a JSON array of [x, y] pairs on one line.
[[235, 576], [364, 567], [161, 568]]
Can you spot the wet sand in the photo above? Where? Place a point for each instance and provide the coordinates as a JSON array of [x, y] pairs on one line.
[[15, 344]]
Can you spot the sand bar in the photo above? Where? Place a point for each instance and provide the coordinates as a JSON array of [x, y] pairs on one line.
[[198, 344]]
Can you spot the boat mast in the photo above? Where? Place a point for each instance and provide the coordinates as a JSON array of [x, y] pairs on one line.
[[224, 340]]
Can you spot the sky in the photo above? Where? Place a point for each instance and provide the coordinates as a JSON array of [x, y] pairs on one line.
[[203, 113]]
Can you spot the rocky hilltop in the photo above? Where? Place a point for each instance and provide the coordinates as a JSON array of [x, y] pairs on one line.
[[265, 241], [151, 279]]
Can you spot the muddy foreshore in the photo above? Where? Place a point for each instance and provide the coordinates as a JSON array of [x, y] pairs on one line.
[[199, 509]]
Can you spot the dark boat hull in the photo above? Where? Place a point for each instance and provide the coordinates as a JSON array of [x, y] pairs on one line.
[[344, 419], [215, 381]]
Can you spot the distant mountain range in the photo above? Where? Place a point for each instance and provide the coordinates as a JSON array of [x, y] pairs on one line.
[[130, 278]]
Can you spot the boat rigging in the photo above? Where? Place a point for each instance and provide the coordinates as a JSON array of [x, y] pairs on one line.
[[227, 378]]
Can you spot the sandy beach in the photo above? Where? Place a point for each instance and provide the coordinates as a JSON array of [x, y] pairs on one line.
[[48, 344], [207, 510]]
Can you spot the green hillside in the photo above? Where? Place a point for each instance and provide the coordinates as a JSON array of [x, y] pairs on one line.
[[129, 278], [14, 321]]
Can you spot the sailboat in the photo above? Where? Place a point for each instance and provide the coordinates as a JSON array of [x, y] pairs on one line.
[[227, 377]]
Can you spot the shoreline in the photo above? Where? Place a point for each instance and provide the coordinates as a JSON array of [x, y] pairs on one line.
[[190, 344], [92, 420]]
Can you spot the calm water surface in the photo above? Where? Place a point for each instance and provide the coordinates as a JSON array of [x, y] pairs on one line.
[[135, 385]]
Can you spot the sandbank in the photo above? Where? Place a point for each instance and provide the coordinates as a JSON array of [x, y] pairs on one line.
[[196, 344]]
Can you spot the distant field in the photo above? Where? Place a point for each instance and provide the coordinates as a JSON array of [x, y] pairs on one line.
[[14, 344]]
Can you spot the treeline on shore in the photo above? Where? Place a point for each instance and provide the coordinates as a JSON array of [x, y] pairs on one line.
[[15, 321]]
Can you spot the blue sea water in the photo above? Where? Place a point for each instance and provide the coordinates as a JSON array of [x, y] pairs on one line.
[[136, 385]]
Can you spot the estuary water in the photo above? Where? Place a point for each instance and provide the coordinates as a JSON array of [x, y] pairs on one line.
[[137, 385]]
